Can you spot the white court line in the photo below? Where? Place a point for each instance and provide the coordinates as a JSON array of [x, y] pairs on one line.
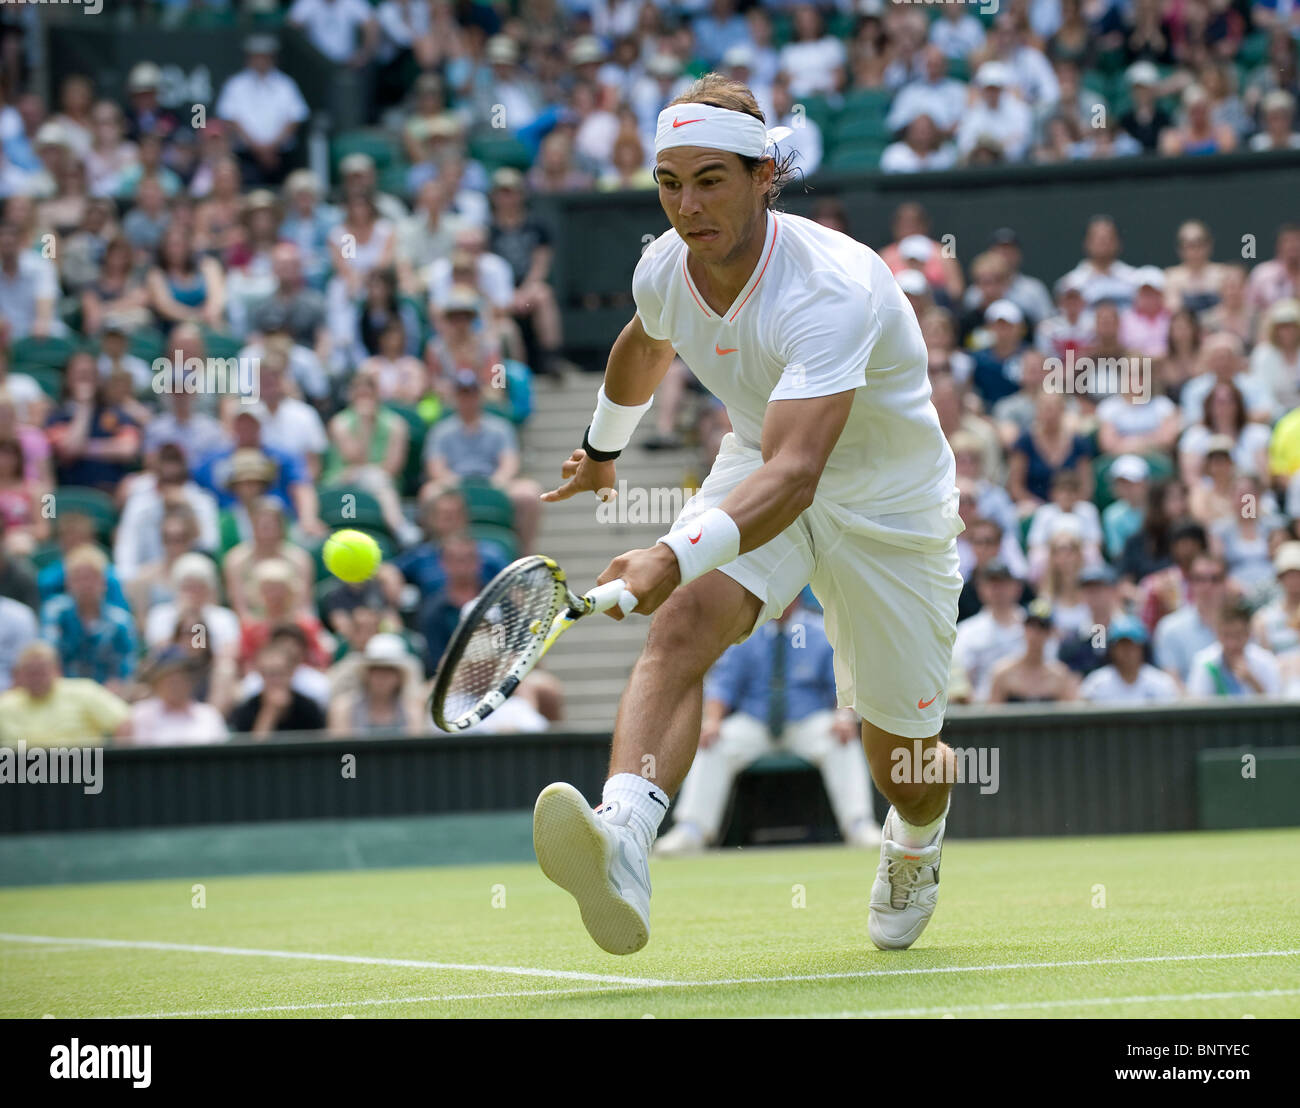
[[1029, 1005], [350, 959], [637, 982]]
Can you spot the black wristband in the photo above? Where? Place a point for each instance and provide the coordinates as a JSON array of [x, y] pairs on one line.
[[597, 455]]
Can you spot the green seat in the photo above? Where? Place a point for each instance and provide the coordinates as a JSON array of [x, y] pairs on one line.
[[858, 155], [220, 344], [52, 351], [866, 102], [147, 344], [45, 555], [779, 763], [819, 110], [857, 130], [379, 145], [1253, 50], [502, 539], [97, 505], [498, 149], [487, 504], [49, 378], [353, 507], [393, 179]]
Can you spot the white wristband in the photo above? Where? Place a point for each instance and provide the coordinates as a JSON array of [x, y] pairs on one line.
[[612, 424], [708, 542]]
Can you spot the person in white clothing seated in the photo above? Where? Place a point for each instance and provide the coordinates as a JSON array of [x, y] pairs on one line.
[[1234, 666], [171, 716], [1128, 677], [775, 690]]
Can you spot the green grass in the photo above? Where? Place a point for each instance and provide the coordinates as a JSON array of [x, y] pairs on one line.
[[726, 939]]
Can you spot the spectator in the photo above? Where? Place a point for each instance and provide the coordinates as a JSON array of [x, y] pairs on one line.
[[1144, 326], [934, 94], [1196, 282], [956, 32], [185, 287], [307, 225], [991, 499], [761, 696], [1101, 275], [111, 156], [26, 526], [1067, 511], [1084, 648], [383, 704], [1198, 133], [996, 633], [942, 270], [265, 108], [1243, 537], [278, 706], [1277, 112], [1224, 416], [922, 148], [172, 716], [1028, 293], [29, 288], [473, 445], [361, 243], [95, 444], [18, 629], [1128, 678], [1270, 281], [442, 516], [1190, 628], [1222, 363], [144, 114], [440, 611], [194, 433], [1234, 666], [1214, 496], [1276, 626], [1031, 676], [1048, 449], [1061, 582], [345, 31], [192, 609], [997, 370], [117, 294], [997, 116], [45, 708], [369, 446], [814, 61], [1180, 362], [17, 581], [1071, 327], [268, 541], [1124, 516], [1233, 312], [141, 536], [278, 598], [1133, 422], [309, 680], [94, 638], [1275, 361]]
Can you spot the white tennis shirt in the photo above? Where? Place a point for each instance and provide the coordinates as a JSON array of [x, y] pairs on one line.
[[821, 314]]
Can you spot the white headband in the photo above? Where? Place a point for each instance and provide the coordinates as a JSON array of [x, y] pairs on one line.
[[715, 129]]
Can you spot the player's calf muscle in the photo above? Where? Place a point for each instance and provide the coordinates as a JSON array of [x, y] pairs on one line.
[[918, 801]]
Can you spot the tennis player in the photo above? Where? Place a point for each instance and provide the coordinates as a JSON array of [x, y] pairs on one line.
[[836, 473]]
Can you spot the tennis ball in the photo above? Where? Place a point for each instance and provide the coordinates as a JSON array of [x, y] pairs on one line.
[[352, 556]]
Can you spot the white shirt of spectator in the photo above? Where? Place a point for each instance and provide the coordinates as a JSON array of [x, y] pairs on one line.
[[1262, 665], [332, 26], [811, 65], [34, 281], [982, 643], [943, 101], [1106, 686], [1049, 520], [805, 139], [18, 627], [262, 105], [222, 626], [1178, 637], [139, 531], [1134, 419], [306, 681], [1118, 282], [901, 158], [1192, 398], [957, 38], [1253, 438], [152, 724], [496, 280], [294, 427], [1010, 125]]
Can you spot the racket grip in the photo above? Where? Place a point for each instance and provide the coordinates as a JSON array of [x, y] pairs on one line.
[[612, 594]]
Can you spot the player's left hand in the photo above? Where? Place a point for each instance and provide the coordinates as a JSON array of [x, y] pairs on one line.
[[650, 575]]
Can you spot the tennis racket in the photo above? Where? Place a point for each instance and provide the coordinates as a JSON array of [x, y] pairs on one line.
[[505, 632]]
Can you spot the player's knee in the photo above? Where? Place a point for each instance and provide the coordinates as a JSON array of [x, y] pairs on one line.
[[679, 637]]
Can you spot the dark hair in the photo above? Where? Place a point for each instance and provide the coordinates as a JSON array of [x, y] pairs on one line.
[[1188, 529], [13, 447], [1238, 400], [719, 91], [282, 631], [1235, 611]]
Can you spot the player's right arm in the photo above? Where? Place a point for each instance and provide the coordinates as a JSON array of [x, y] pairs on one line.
[[636, 367]]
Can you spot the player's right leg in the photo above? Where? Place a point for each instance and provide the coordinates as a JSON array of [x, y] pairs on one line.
[[601, 859]]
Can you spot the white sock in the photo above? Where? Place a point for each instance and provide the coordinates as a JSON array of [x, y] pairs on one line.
[[634, 802], [916, 837]]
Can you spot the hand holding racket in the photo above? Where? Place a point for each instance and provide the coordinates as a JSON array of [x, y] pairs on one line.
[[505, 632]]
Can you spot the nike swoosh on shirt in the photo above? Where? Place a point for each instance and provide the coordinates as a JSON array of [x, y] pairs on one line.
[[683, 122], [923, 704], [718, 350]]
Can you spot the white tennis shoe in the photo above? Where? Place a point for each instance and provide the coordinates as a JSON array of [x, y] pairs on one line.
[[905, 891], [599, 863]]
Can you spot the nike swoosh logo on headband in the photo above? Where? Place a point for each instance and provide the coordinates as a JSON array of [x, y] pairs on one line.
[[683, 122]]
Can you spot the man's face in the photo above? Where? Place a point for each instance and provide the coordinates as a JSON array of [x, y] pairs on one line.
[[1126, 654], [710, 199], [1099, 596], [461, 562], [1233, 634], [1102, 243], [36, 675], [1206, 582], [1288, 249], [248, 432], [448, 515], [276, 668], [984, 544], [286, 264], [261, 63]]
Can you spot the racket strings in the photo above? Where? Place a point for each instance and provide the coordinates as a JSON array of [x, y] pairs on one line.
[[505, 632]]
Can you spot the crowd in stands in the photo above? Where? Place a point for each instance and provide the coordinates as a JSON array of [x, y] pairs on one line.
[[160, 577]]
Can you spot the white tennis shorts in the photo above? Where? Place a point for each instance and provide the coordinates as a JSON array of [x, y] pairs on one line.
[[888, 585]]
